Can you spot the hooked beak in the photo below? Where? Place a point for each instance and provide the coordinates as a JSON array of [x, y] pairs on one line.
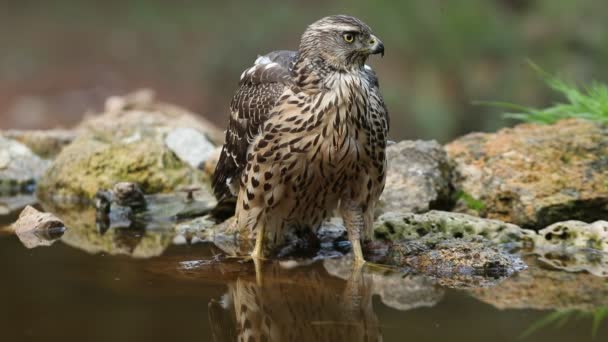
[[376, 46]]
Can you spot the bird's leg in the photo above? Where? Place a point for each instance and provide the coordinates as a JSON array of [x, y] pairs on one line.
[[258, 254], [258, 250], [352, 214]]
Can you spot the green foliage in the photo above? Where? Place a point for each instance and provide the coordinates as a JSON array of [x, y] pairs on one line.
[[470, 201], [589, 103], [558, 319]]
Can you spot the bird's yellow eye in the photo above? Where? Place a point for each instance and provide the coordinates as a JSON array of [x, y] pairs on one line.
[[348, 37]]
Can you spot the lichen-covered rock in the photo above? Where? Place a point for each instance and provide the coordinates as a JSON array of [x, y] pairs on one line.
[[573, 235], [126, 143], [398, 225], [541, 289], [534, 175], [19, 167], [10, 205], [417, 178]]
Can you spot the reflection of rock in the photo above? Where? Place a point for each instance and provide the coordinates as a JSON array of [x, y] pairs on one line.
[[12, 204], [541, 289], [395, 289], [535, 175], [587, 260], [417, 178], [399, 225], [44, 143], [19, 167], [126, 143], [84, 234], [35, 228]]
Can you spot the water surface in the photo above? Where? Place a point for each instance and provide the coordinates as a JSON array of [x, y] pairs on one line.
[[64, 293]]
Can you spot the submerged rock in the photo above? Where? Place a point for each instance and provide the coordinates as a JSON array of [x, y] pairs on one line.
[[534, 175], [399, 225], [35, 228], [19, 167], [542, 289], [417, 177], [456, 262], [126, 143]]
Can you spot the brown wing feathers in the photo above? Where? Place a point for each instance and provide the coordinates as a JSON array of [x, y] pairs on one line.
[[259, 89]]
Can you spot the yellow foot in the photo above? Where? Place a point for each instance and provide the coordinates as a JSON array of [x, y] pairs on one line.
[[358, 259]]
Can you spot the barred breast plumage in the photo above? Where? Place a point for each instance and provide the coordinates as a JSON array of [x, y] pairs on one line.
[[307, 136]]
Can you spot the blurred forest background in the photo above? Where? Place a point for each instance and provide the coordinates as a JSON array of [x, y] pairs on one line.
[[61, 58]]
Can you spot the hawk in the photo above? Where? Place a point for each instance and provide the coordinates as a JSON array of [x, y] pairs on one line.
[[306, 136]]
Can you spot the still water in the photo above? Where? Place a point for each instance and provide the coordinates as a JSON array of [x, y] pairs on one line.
[[75, 290]]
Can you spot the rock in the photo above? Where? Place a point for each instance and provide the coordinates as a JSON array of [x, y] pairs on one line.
[[44, 143], [125, 144], [19, 167], [35, 228], [190, 146], [417, 178], [142, 112], [542, 289], [128, 194], [534, 175], [396, 226], [91, 163]]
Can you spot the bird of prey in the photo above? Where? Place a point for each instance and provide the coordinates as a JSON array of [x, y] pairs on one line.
[[307, 136]]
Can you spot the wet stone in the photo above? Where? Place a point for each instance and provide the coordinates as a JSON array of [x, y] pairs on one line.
[[35, 228]]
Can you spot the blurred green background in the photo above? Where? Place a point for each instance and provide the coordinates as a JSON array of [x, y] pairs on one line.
[[60, 58]]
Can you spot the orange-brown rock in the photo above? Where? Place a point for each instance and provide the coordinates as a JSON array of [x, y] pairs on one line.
[[534, 175]]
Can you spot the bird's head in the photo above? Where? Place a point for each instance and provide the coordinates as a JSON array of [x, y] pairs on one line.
[[341, 41]]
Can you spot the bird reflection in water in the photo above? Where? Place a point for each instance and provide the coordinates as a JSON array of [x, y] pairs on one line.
[[296, 304]]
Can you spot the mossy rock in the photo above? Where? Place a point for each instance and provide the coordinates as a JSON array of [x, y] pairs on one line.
[[93, 162]]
